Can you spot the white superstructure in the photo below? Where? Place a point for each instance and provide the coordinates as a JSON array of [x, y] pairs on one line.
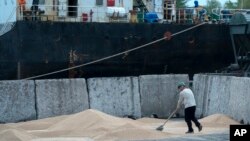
[[80, 10]]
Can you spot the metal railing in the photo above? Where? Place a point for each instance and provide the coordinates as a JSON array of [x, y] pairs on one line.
[[99, 14], [68, 14], [187, 15], [225, 15]]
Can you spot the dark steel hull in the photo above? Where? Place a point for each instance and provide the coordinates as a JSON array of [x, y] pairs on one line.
[[34, 48]]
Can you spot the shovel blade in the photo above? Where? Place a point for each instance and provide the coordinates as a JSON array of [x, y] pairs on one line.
[[160, 128]]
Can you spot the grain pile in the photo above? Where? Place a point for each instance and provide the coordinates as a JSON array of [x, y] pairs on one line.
[[95, 125], [219, 119]]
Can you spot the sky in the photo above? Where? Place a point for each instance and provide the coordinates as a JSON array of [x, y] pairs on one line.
[[204, 2]]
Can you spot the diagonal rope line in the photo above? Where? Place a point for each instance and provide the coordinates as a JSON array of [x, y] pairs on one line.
[[115, 55]]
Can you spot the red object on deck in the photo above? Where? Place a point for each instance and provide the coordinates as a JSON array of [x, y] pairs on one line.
[[110, 2], [84, 17], [167, 35]]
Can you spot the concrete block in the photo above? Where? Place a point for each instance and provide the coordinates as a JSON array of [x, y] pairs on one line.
[[239, 99], [61, 97], [201, 84], [118, 96], [223, 94], [212, 94], [218, 95], [159, 94], [17, 101]]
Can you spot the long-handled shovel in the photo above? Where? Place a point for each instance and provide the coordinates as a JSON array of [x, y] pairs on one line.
[[160, 128]]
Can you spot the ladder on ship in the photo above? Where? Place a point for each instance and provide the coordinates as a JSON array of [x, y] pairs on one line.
[[142, 6]]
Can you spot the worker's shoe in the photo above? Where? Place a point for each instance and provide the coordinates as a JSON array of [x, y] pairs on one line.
[[200, 128], [189, 132]]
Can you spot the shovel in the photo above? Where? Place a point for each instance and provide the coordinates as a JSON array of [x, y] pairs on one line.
[[160, 128]]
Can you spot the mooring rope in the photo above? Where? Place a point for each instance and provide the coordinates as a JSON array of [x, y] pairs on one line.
[[115, 55]]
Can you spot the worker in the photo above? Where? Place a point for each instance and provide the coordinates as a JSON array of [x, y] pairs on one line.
[[202, 14], [186, 97], [196, 3]]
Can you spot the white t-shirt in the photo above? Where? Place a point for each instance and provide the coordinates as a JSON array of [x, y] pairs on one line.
[[187, 98]]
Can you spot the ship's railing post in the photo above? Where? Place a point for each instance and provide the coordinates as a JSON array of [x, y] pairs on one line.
[[185, 15], [65, 13]]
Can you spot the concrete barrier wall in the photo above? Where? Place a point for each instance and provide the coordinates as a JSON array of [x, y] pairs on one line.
[[223, 94], [123, 96], [17, 101], [212, 94], [159, 94], [200, 88], [219, 94], [60, 97], [118, 96], [239, 99]]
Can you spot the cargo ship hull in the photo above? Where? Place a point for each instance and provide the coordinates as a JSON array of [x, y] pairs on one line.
[[33, 48]]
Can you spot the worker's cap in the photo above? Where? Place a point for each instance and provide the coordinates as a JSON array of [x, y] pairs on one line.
[[180, 84]]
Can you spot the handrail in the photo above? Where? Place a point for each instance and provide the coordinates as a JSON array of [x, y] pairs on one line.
[[66, 13], [226, 14]]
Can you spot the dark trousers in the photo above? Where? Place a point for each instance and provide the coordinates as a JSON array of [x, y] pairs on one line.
[[190, 116]]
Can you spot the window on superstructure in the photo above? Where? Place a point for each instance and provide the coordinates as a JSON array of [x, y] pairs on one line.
[[72, 8], [99, 2]]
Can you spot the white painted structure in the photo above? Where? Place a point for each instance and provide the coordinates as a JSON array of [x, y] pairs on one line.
[[7, 11], [116, 11], [158, 8], [100, 11], [59, 9], [94, 10]]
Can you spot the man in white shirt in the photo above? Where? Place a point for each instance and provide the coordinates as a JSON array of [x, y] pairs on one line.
[[186, 97]]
